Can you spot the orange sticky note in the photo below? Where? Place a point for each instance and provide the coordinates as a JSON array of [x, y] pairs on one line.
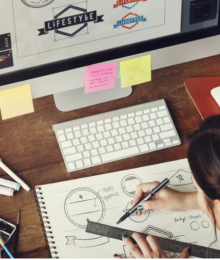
[[16, 102], [100, 77]]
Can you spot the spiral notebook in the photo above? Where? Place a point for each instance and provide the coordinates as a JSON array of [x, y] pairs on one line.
[[66, 207]]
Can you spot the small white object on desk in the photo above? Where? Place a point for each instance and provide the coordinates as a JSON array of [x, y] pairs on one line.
[[10, 184], [6, 191], [13, 175], [216, 95]]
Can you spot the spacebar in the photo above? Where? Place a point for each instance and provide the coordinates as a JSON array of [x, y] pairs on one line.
[[120, 154]]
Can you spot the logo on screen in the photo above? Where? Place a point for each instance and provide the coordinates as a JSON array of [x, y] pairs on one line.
[[129, 4], [38, 3], [70, 21], [130, 21]]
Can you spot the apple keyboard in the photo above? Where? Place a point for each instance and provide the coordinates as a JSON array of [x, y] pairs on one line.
[[116, 135]]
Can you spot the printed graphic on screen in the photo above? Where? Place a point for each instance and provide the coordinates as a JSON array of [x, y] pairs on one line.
[[5, 42], [6, 59], [66, 23]]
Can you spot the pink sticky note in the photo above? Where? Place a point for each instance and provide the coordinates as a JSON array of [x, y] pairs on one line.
[[100, 77]]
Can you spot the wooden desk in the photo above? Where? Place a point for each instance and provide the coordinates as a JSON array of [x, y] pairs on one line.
[[28, 145]]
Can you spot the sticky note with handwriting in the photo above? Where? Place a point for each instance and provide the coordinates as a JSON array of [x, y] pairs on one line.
[[16, 102], [135, 71], [100, 77]]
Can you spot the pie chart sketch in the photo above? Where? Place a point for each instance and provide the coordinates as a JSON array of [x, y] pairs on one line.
[[134, 217], [82, 204], [129, 184]]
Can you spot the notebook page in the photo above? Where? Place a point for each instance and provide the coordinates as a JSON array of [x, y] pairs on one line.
[[105, 198]]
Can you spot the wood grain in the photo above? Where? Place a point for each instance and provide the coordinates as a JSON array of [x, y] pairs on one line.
[[29, 147]]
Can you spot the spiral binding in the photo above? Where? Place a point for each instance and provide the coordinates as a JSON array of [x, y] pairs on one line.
[[45, 222]]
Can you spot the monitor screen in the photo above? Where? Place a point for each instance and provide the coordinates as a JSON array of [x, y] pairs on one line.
[[35, 33]]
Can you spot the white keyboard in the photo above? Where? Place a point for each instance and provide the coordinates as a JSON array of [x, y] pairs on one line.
[[116, 135]]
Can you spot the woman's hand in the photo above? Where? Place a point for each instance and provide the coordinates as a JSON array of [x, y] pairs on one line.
[[166, 199], [148, 248]]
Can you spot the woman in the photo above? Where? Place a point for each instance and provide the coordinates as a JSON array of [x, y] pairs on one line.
[[204, 160]]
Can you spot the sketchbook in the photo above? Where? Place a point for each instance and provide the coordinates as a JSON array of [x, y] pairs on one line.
[[66, 207]]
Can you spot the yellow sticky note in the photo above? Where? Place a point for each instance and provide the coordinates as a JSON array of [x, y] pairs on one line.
[[135, 71], [16, 102]]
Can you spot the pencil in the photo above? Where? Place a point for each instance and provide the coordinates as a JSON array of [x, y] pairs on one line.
[[2, 242]]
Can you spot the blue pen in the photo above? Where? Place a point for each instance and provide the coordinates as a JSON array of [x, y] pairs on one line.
[[2, 242]]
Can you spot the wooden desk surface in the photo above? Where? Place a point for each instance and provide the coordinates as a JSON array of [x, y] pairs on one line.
[[29, 147]]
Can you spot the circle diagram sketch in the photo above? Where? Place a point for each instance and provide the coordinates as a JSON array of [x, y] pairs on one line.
[[205, 223], [82, 204], [134, 217], [37, 4], [194, 225], [129, 184]]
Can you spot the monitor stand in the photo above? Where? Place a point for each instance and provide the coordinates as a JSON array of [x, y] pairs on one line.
[[76, 98]]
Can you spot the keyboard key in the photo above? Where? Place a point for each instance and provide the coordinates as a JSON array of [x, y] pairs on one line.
[[141, 133], [167, 134], [147, 111], [156, 129], [148, 131], [102, 150], [115, 125], [79, 164], [166, 120], [95, 144], [122, 131], [118, 139], [144, 148], [145, 118], [93, 130], [138, 119], [70, 150], [77, 134], [114, 132], [125, 145], [162, 107], [176, 142], [76, 128], [88, 146], [144, 125], [153, 116], [84, 126], [86, 154], [108, 127], [167, 140], [94, 152], [92, 124], [80, 148], [131, 121], [87, 162], [134, 135], [74, 157], [162, 113], [147, 139], [159, 146], [101, 122], [168, 144], [83, 140], [155, 137], [129, 129], [155, 109], [69, 136], [85, 132], [66, 144], [62, 138], [123, 123], [137, 127], [60, 132], [96, 160], [131, 115], [76, 142], [152, 146], [99, 136], [166, 127], [103, 142], [159, 121], [139, 113], [101, 128], [140, 141], [126, 137], [71, 166], [91, 138], [123, 117], [115, 119], [109, 120], [106, 134], [68, 130], [109, 148], [117, 155], [132, 143], [111, 140], [152, 123], [117, 147]]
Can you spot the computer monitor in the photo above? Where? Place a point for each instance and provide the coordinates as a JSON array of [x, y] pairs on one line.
[[48, 43]]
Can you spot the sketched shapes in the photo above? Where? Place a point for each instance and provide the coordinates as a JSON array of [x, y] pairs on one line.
[[194, 225], [205, 224], [152, 230], [82, 204], [87, 243], [134, 217], [129, 184], [180, 178]]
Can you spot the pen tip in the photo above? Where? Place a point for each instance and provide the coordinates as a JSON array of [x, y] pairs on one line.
[[118, 222]]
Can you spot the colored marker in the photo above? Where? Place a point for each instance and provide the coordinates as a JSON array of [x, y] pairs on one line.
[[10, 184], [6, 191]]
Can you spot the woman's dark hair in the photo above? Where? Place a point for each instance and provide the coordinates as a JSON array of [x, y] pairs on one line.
[[204, 160]]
